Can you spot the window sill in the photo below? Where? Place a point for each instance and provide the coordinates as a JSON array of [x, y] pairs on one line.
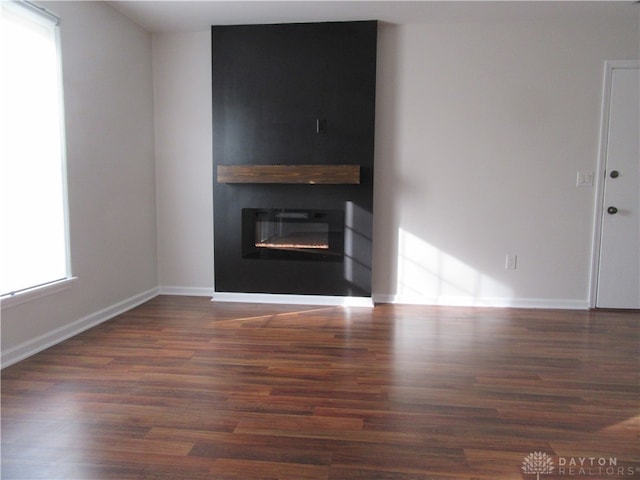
[[8, 301]]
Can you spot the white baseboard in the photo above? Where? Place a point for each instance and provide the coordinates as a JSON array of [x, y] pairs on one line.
[[451, 301], [500, 302], [38, 344], [186, 291], [292, 299]]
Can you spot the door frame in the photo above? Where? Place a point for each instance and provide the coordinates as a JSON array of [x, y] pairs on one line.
[[609, 67]]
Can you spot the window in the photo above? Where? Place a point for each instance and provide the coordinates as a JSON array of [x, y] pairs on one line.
[[33, 243]]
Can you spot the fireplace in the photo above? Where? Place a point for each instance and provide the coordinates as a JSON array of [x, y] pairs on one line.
[[293, 234], [293, 149]]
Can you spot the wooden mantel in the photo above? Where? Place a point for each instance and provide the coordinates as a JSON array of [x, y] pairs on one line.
[[305, 174]]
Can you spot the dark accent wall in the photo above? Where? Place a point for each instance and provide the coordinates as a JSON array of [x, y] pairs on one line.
[[294, 94]]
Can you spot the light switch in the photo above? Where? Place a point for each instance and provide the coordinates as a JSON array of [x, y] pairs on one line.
[[584, 179]]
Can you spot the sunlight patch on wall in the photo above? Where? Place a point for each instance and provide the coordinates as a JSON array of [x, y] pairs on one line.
[[429, 275]]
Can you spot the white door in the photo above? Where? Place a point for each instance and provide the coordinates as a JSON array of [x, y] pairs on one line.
[[618, 283]]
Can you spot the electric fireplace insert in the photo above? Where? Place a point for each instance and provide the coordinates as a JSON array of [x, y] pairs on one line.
[[293, 234]]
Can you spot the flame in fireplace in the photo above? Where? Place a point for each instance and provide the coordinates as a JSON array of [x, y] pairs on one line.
[[297, 240]]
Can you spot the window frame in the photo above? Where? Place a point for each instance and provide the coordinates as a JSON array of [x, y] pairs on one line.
[[53, 286]]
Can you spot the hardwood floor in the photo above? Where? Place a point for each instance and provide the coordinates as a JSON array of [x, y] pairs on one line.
[[183, 388]]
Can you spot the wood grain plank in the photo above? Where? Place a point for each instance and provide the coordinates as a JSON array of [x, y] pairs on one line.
[[184, 388], [300, 174]]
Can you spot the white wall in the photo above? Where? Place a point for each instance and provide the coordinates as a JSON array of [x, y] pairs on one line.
[[183, 143], [481, 130], [110, 160]]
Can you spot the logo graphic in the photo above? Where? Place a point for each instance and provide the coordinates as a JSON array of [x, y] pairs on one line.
[[537, 462]]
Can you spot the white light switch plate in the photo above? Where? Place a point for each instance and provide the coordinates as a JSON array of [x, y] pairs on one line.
[[584, 179]]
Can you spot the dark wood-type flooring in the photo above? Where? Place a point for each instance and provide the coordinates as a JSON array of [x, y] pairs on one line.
[[183, 388]]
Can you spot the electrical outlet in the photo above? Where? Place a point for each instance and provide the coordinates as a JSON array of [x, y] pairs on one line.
[[511, 262]]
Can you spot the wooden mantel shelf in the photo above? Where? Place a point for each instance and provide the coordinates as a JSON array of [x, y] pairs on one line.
[[305, 174]]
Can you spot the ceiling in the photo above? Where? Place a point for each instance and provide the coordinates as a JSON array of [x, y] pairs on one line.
[[186, 15]]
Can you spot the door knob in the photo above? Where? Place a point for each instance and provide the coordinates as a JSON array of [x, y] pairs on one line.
[[614, 174], [612, 210]]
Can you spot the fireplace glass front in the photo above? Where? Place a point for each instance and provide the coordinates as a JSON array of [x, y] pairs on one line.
[[294, 234]]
